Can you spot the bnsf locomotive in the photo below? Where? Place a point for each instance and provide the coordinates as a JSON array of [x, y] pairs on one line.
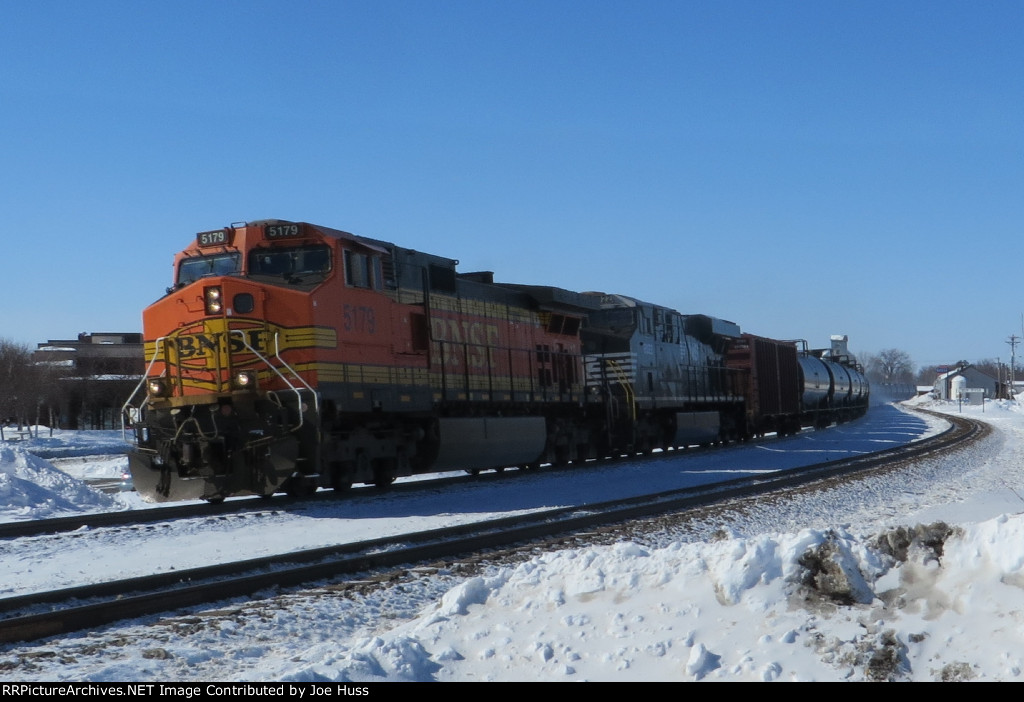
[[289, 356]]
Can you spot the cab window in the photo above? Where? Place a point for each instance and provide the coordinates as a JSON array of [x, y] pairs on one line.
[[293, 263], [362, 270], [192, 269]]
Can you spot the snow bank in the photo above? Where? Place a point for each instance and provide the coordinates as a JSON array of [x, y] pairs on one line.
[[31, 488], [817, 605], [63, 443]]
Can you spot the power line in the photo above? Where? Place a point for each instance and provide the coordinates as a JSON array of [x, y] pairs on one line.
[[1013, 341]]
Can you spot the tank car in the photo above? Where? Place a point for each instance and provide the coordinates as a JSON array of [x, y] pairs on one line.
[[817, 390], [851, 395], [833, 385]]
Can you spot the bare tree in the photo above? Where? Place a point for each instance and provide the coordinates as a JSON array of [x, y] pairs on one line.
[[15, 381], [889, 366], [927, 375], [28, 390], [990, 366]]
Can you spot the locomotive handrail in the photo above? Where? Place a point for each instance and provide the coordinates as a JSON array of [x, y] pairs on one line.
[[316, 397], [627, 387], [145, 376], [277, 354]]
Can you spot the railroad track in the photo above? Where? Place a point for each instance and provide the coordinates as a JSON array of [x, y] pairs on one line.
[[45, 614], [284, 503], [193, 510]]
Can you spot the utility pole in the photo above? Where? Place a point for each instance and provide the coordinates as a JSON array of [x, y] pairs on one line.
[[1013, 341]]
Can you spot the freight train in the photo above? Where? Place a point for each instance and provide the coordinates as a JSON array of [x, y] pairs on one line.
[[289, 356]]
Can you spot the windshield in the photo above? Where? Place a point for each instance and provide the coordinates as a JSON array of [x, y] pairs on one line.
[[291, 262], [192, 269]]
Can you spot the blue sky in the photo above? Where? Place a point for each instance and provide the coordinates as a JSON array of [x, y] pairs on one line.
[[801, 168]]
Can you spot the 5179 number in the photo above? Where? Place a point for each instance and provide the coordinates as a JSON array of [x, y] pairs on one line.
[[359, 319], [282, 231], [215, 238]]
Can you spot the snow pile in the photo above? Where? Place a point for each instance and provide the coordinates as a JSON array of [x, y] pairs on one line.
[[817, 605], [31, 488], [64, 443]]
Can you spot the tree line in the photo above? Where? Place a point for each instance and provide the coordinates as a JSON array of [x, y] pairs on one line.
[[896, 366], [36, 392], [888, 366]]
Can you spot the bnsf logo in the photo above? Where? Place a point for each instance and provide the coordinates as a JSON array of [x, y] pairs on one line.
[[210, 345], [475, 337]]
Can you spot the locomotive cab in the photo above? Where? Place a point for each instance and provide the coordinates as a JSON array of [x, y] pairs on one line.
[[227, 406]]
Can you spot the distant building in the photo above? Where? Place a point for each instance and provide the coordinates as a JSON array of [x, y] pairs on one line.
[[966, 383], [95, 373]]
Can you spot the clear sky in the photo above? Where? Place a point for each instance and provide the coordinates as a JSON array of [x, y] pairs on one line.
[[801, 168]]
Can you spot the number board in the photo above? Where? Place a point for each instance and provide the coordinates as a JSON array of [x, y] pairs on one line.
[[218, 237], [282, 231]]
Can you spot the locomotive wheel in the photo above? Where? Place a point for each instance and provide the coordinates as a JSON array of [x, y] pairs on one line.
[[384, 473], [299, 487], [341, 476], [382, 482], [342, 484]]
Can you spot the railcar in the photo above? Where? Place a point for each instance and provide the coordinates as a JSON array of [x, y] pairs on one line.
[[833, 385], [771, 388], [288, 356]]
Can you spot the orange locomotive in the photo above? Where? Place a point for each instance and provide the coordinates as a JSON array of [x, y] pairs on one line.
[[289, 356]]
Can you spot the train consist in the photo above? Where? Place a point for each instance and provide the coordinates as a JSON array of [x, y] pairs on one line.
[[289, 356]]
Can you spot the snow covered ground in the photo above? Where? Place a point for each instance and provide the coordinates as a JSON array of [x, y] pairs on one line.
[[840, 585], [30, 488]]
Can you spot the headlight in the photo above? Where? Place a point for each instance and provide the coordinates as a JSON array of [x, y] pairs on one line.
[[157, 387], [245, 380], [213, 299]]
